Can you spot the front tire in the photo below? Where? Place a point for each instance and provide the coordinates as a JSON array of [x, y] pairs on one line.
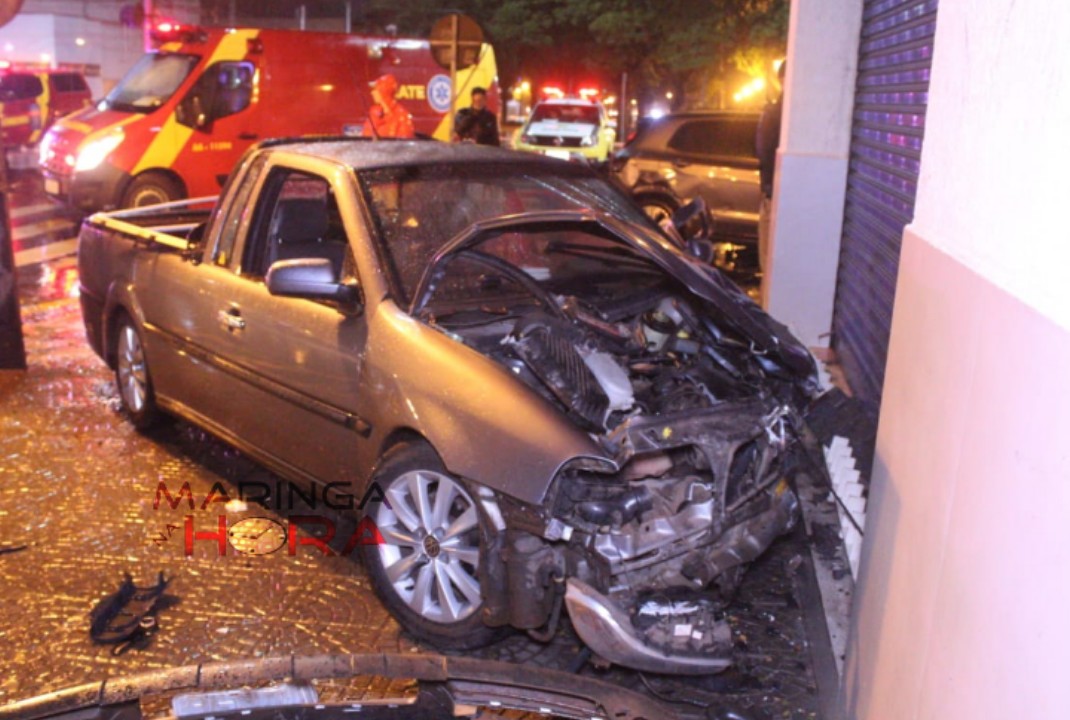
[[151, 189], [132, 376], [426, 571]]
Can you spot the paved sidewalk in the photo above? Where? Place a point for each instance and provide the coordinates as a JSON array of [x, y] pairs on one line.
[[77, 488]]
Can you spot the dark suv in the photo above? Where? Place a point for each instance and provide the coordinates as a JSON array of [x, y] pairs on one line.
[[709, 155]]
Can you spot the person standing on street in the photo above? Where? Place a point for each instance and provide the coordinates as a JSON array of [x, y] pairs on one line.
[[766, 141], [387, 118], [476, 123]]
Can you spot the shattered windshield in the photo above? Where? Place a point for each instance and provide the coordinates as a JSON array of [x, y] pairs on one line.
[[417, 210], [151, 82]]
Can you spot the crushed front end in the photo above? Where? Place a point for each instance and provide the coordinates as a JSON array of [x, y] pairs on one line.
[[659, 546], [693, 398]]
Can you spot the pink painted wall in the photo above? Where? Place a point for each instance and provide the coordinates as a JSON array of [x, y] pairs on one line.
[[962, 601]]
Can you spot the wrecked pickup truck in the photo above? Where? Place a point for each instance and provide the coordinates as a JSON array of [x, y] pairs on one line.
[[565, 412]]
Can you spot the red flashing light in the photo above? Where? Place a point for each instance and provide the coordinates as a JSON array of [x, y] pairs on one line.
[[553, 91], [167, 31], [588, 93]]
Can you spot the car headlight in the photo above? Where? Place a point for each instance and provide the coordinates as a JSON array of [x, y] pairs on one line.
[[94, 152], [44, 148], [591, 140]]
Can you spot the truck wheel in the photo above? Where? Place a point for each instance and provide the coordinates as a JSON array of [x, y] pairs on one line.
[[132, 376], [426, 571], [656, 207], [152, 189]]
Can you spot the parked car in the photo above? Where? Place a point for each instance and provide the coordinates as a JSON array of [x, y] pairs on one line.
[[709, 155], [567, 129], [33, 97], [564, 411]]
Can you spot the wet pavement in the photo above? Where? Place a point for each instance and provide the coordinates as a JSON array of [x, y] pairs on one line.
[[77, 510]]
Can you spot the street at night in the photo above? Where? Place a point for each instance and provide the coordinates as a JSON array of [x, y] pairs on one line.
[[502, 359]]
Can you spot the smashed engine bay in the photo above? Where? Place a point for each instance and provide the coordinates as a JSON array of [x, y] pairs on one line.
[[704, 436]]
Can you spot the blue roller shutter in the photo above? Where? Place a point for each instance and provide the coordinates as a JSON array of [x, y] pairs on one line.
[[895, 56]]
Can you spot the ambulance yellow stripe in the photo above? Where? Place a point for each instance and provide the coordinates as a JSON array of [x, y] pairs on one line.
[[81, 127], [482, 74], [172, 138], [15, 121], [42, 105]]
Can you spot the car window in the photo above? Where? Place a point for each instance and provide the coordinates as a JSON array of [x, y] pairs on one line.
[[419, 209], [225, 88], [151, 82], [18, 86], [566, 113], [565, 260], [297, 217], [728, 136], [238, 212], [69, 82]]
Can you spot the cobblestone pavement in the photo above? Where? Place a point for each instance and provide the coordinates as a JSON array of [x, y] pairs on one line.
[[77, 487]]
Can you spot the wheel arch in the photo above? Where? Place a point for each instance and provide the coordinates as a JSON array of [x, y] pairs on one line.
[[166, 173], [120, 301]]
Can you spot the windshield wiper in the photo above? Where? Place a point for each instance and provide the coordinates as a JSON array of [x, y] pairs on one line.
[[128, 107]]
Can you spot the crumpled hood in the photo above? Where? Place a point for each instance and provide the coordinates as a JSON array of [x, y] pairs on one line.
[[766, 335]]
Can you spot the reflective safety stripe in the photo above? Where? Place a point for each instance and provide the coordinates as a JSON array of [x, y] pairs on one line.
[[173, 136], [81, 127], [482, 74], [16, 120], [42, 104]]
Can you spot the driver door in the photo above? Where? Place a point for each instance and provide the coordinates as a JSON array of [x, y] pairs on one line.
[[292, 366]]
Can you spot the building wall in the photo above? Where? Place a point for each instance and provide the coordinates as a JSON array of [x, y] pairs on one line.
[[51, 29], [960, 609]]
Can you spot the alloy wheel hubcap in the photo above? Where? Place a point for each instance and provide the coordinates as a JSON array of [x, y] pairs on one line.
[[430, 549], [133, 377]]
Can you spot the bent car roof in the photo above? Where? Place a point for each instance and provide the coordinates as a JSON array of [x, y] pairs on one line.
[[363, 154]]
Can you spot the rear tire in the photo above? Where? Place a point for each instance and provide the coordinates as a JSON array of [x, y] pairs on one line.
[[426, 572], [152, 189], [132, 376]]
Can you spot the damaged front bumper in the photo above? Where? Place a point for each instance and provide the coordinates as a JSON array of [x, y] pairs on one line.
[[686, 636]]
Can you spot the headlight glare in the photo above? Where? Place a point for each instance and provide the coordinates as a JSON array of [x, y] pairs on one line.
[[94, 152]]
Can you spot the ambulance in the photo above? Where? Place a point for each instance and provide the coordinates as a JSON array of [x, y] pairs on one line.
[[33, 96], [178, 121]]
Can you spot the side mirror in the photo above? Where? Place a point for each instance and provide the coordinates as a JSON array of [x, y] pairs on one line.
[[309, 278]]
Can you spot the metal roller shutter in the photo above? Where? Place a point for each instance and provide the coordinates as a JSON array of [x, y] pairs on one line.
[[895, 55]]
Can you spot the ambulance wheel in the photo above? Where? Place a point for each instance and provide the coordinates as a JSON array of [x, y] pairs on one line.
[[151, 189]]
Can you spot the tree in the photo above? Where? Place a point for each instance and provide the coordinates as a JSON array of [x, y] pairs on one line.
[[682, 45]]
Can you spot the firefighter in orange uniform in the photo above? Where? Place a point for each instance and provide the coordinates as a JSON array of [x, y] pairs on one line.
[[387, 115]]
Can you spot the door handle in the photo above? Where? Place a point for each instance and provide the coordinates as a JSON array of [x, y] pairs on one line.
[[231, 319], [247, 136]]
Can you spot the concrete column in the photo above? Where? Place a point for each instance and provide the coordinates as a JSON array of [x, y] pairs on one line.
[[811, 176]]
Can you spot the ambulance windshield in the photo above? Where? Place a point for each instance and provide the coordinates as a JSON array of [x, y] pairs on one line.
[[150, 83]]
